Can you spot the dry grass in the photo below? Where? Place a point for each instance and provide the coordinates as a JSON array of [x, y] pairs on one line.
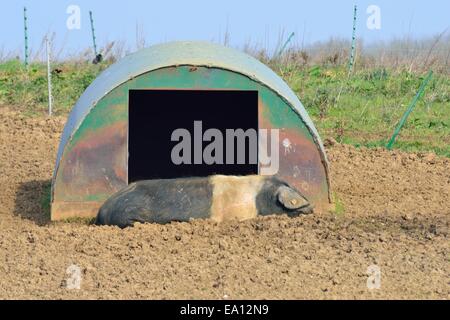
[[401, 54]]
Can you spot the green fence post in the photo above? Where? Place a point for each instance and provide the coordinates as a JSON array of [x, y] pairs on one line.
[[352, 52], [26, 35], [93, 33], [285, 44], [409, 110]]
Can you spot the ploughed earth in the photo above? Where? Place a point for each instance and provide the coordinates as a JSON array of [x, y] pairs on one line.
[[388, 238]]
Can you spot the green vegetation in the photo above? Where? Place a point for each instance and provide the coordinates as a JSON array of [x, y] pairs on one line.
[[45, 200], [339, 208], [26, 89], [361, 109]]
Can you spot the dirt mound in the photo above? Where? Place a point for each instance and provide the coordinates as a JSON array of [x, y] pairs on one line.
[[393, 214]]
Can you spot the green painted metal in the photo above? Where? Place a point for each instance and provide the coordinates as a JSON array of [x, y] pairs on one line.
[[409, 110], [353, 49], [280, 52], [25, 25], [94, 39], [180, 54]]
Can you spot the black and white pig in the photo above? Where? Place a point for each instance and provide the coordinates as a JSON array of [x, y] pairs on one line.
[[219, 198]]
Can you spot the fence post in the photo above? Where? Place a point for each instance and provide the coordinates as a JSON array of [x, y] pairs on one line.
[[280, 52], [49, 77], [353, 49], [93, 33], [26, 35], [409, 110]]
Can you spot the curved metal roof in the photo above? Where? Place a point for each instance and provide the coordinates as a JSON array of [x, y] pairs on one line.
[[176, 54]]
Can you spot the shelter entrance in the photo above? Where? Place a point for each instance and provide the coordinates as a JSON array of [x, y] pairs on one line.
[[154, 116]]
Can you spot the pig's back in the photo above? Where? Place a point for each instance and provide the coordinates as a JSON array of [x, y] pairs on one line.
[[158, 201]]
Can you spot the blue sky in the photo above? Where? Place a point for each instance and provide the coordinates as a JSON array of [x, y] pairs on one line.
[[259, 22]]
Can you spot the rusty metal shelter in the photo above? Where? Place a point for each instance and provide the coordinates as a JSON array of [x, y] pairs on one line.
[[118, 130]]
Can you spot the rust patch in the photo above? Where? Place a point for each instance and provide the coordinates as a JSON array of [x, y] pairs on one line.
[[300, 163], [95, 167]]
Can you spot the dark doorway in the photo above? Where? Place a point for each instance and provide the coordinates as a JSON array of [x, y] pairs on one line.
[[155, 114]]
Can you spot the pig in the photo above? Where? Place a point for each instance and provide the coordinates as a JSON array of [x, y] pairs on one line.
[[219, 198]]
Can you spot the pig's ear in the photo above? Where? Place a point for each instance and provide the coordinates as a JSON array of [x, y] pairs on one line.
[[290, 199]]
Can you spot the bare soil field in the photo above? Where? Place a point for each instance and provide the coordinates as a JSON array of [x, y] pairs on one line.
[[394, 214]]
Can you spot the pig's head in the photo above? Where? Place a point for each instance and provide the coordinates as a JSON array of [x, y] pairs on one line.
[[277, 197]]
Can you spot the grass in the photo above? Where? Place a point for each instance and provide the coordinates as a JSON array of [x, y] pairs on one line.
[[339, 208], [26, 89], [362, 109], [45, 200]]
